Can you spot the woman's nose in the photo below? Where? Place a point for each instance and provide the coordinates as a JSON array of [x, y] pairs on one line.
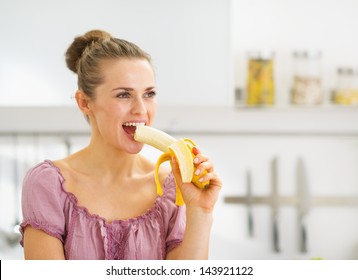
[[139, 107]]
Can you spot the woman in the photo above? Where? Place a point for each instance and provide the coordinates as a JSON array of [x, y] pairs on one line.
[[101, 202]]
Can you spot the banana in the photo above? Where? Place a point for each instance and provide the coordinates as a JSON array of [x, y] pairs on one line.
[[180, 148]]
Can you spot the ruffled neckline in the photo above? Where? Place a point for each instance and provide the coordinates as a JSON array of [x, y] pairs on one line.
[[92, 216]]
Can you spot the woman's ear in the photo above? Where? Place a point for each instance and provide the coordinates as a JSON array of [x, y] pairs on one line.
[[83, 102]]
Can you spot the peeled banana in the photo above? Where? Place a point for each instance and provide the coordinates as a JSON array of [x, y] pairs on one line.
[[181, 149]]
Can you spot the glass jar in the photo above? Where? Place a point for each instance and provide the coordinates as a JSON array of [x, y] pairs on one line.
[[260, 86], [346, 91], [307, 82]]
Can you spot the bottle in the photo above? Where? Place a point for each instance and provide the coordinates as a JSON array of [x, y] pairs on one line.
[[260, 86], [346, 91], [307, 82]]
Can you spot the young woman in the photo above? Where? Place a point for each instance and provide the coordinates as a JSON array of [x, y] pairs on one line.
[[101, 202]]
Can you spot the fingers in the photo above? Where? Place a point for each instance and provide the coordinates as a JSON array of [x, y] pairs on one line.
[[176, 171], [204, 166], [201, 162], [195, 150], [212, 178]]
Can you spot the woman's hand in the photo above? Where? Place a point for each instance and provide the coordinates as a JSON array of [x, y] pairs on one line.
[[192, 195]]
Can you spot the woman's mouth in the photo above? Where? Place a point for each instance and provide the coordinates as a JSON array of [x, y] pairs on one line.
[[130, 127]]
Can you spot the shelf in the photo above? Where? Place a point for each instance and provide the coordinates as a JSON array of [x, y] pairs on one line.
[[294, 200], [289, 120], [49, 119], [331, 108], [257, 121]]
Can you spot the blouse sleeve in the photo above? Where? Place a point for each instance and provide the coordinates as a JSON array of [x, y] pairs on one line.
[[42, 206], [174, 217]]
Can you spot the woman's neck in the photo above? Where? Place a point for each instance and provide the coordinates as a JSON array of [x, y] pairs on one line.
[[104, 160]]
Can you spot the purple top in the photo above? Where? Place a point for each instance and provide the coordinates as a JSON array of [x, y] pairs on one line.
[[46, 205]]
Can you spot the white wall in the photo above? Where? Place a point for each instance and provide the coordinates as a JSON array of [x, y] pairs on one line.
[[287, 25], [188, 41]]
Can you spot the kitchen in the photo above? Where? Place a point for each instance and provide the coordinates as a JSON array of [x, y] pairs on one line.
[[266, 150]]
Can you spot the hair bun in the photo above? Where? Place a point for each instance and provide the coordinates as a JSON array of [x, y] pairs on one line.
[[79, 44]]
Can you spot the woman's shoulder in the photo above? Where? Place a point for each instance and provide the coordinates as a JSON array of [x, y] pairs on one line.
[[43, 200], [44, 175], [44, 170]]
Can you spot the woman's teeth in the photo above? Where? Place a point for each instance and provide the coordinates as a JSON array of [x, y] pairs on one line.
[[133, 123], [130, 127]]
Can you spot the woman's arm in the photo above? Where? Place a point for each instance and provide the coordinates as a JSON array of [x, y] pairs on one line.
[[199, 210], [195, 244], [38, 245]]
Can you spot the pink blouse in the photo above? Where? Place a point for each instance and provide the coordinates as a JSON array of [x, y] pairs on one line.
[[46, 205]]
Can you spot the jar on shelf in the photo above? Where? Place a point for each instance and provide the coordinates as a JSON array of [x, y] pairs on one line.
[[307, 82], [260, 86], [346, 91]]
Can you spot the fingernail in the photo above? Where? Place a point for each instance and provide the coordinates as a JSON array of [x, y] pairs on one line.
[[196, 160], [201, 179], [197, 172]]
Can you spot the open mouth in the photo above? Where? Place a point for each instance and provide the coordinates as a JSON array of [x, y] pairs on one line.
[[130, 127]]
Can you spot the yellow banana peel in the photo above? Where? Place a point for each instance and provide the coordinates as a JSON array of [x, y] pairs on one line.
[[181, 149]]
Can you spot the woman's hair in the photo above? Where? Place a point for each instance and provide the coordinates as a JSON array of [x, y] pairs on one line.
[[86, 52]]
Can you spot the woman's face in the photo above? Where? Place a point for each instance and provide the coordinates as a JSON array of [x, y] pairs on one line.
[[125, 99]]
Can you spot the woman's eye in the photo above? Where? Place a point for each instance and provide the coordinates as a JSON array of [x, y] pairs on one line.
[[123, 95], [150, 94]]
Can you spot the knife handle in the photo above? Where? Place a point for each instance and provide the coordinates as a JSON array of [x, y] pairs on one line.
[[276, 242], [303, 238], [250, 221]]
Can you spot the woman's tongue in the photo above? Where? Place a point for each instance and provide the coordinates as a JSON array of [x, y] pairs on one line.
[[129, 129]]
